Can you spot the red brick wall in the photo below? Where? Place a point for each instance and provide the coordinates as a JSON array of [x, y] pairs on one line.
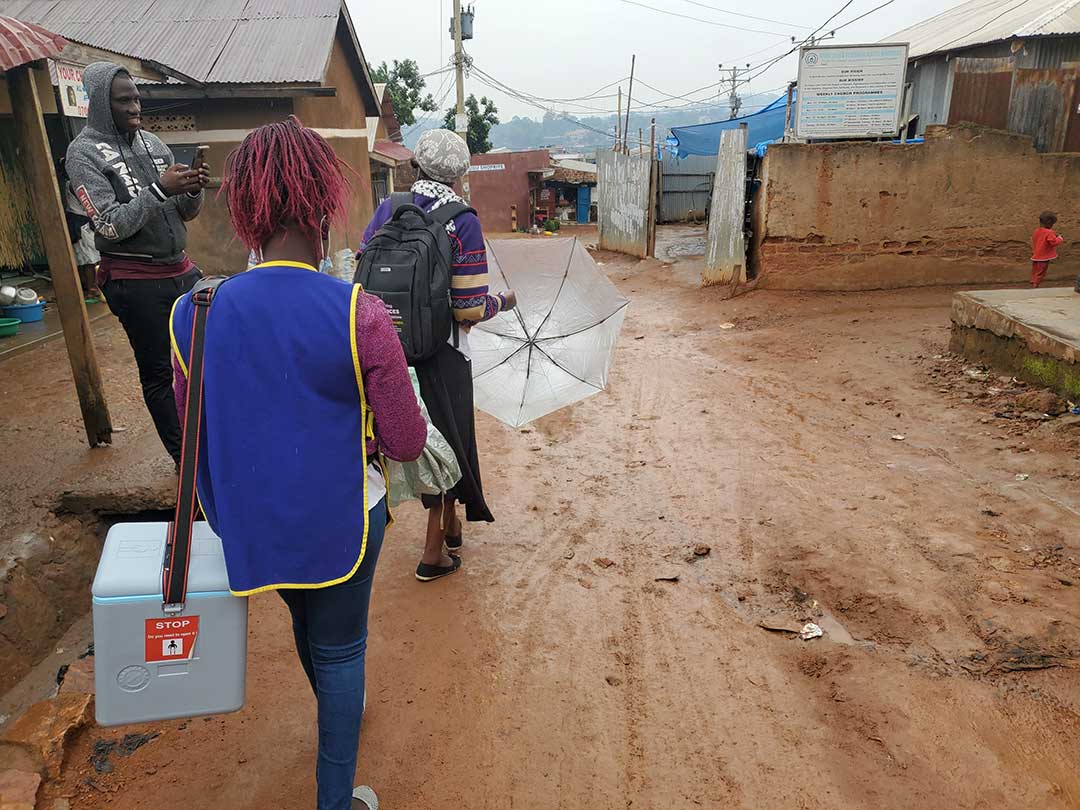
[[493, 192]]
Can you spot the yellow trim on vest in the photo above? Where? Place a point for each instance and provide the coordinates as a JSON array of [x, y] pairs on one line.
[[364, 457], [172, 338], [283, 263]]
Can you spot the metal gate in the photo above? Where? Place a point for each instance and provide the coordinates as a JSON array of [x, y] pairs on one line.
[[686, 187]]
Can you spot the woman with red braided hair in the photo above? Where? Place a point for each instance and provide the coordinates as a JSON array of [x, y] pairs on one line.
[[305, 389]]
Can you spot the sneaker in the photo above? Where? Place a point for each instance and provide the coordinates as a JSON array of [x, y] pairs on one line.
[[364, 798]]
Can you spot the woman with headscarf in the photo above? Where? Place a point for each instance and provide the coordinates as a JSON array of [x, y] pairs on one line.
[[305, 388], [442, 158]]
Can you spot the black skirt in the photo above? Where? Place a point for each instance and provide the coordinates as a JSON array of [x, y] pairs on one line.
[[447, 389]]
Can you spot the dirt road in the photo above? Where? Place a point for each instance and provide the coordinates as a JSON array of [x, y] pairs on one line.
[[555, 671]]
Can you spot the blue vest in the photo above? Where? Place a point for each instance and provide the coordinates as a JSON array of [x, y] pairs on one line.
[[282, 453]]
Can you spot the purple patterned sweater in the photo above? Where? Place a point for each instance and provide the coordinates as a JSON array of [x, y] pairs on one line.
[[400, 430]]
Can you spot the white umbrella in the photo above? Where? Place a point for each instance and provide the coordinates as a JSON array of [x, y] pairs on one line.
[[556, 347]]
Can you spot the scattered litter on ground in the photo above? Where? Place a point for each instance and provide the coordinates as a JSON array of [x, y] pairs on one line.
[[1022, 476], [780, 624], [726, 326], [810, 631], [103, 749], [898, 437], [667, 578], [569, 555], [702, 550], [604, 562], [990, 512]]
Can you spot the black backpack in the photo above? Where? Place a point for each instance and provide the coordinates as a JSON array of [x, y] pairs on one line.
[[407, 264]]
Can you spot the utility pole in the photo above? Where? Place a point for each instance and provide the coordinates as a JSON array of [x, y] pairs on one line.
[[618, 124], [734, 102], [734, 99], [629, 99], [461, 121]]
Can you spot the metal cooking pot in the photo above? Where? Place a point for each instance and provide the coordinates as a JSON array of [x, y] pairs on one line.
[[7, 295]]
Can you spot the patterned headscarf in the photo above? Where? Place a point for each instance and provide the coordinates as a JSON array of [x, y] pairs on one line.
[[442, 155]]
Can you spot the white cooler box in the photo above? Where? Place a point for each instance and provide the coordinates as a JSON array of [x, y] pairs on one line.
[[150, 666]]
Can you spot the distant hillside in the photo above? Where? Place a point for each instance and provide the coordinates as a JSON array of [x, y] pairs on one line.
[[579, 135]]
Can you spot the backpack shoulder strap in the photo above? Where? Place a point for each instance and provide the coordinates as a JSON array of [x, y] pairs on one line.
[[444, 213], [398, 199]]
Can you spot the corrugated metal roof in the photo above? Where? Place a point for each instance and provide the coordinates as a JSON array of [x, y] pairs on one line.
[[394, 151], [211, 41], [981, 21], [22, 42], [276, 50]]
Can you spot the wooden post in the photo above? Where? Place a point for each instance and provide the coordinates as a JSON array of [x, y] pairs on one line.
[[654, 191], [629, 99], [49, 212], [641, 142], [905, 111]]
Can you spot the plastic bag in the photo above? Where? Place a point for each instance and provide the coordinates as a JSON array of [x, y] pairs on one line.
[[435, 472], [344, 265]]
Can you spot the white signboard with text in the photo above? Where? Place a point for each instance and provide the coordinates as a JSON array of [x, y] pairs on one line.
[[73, 98], [850, 91]]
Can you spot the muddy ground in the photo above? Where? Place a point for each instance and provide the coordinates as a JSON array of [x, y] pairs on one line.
[[556, 670]]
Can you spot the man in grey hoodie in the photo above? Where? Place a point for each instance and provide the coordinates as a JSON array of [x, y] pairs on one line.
[[138, 200]]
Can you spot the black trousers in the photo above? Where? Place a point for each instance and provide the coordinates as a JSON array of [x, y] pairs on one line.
[[447, 389], [143, 307]]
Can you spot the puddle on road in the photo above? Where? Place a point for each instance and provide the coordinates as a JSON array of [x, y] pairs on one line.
[[834, 631]]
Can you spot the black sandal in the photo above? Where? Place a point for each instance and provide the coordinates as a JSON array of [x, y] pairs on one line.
[[429, 573], [453, 543]]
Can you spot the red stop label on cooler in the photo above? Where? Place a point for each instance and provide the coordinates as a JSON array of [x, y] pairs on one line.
[[171, 639]]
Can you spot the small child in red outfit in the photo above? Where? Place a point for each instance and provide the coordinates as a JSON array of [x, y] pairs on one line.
[[1044, 245]]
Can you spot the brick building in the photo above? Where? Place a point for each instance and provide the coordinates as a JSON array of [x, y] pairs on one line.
[[502, 181]]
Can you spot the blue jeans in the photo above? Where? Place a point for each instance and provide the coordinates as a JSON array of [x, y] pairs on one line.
[[330, 627]]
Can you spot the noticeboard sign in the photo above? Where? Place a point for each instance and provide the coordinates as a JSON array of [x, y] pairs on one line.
[[73, 98], [851, 91]]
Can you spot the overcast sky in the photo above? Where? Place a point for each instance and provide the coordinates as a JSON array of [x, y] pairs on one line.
[[570, 48]]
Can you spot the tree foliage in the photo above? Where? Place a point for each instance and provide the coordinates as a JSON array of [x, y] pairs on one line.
[[406, 87], [483, 115]]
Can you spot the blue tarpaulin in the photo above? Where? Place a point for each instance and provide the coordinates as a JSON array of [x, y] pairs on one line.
[[704, 139]]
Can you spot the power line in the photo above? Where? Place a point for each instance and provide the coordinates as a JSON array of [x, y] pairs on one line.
[[746, 16], [753, 72], [843, 8], [984, 25], [423, 119], [702, 20]]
